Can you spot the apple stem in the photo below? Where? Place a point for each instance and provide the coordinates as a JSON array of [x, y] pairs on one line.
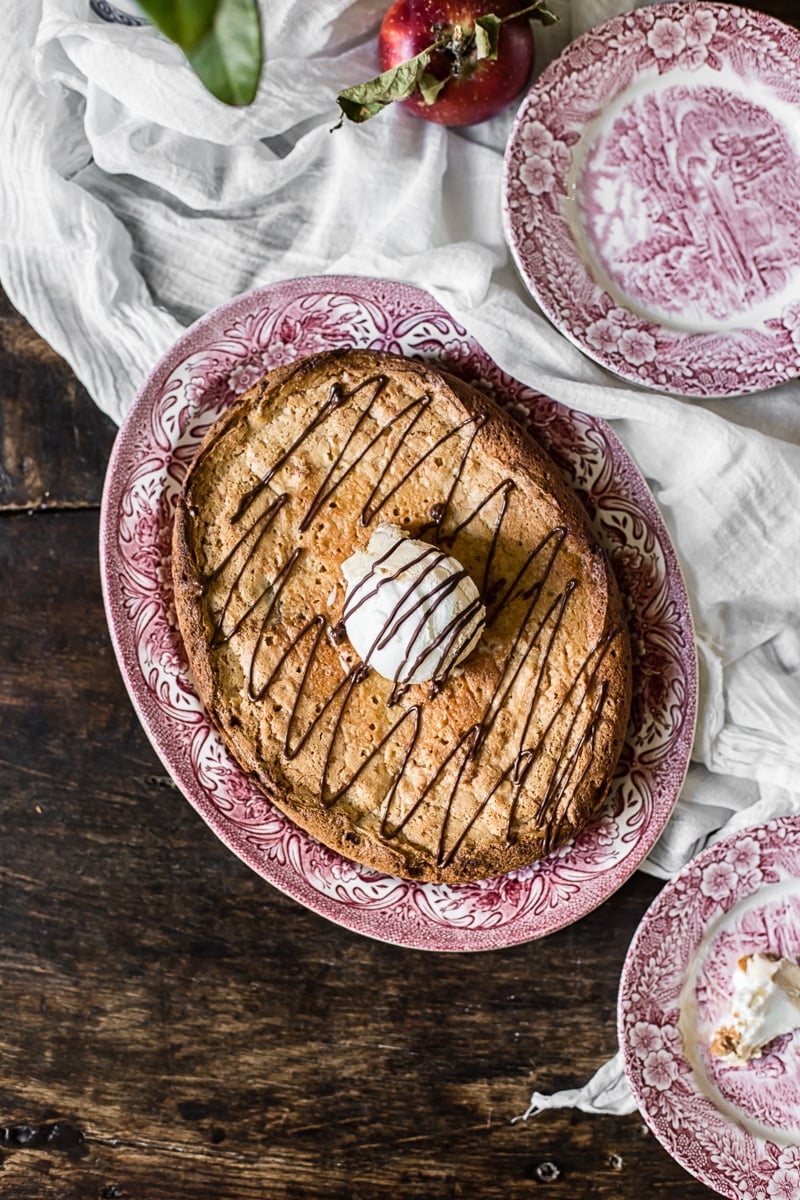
[[522, 12]]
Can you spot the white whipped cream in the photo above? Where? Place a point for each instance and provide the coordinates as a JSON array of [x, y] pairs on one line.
[[764, 1006], [411, 612]]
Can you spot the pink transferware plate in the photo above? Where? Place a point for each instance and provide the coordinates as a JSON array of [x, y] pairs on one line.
[[736, 1128], [651, 197], [215, 360]]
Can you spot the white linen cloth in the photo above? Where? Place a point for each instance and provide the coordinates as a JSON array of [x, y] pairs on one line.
[[132, 202]]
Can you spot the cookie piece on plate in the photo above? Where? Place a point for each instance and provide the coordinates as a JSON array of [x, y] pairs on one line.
[[363, 499]]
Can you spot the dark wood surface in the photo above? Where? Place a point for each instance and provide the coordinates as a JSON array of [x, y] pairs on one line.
[[176, 1029]]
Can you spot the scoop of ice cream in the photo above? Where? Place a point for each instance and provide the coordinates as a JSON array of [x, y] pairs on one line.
[[764, 1006], [411, 612]]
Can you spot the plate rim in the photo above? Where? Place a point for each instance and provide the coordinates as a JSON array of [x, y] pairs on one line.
[[551, 73], [165, 746], [661, 1131]]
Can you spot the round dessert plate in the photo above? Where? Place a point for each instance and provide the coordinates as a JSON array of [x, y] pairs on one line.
[[651, 197], [220, 357], [736, 1128]]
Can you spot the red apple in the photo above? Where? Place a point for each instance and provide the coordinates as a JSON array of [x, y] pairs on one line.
[[475, 91]]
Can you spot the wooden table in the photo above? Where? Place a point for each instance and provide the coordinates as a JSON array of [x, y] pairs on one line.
[[174, 1028]]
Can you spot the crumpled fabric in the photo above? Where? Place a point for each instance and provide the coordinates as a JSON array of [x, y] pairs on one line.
[[132, 202], [606, 1092]]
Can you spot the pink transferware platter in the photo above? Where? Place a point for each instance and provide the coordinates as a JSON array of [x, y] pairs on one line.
[[214, 361], [651, 197], [736, 1128]]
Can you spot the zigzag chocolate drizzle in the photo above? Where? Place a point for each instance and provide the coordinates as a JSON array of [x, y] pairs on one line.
[[570, 734], [447, 647]]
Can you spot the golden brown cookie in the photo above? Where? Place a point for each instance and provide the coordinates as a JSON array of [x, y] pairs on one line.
[[495, 761]]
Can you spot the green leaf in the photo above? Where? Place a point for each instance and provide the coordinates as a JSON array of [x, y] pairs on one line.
[[430, 86], [183, 21], [357, 110], [487, 35], [229, 58], [542, 13], [364, 100], [221, 38]]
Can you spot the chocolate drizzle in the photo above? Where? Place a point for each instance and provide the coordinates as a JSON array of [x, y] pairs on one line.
[[419, 598], [567, 741], [262, 525]]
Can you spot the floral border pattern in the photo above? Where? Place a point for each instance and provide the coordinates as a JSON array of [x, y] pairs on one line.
[[635, 50], [716, 1148], [216, 360]]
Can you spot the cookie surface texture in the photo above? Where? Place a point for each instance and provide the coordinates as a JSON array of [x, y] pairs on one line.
[[484, 771]]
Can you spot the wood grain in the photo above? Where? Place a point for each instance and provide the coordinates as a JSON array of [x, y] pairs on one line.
[[210, 1037], [784, 10], [176, 1029], [54, 443]]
